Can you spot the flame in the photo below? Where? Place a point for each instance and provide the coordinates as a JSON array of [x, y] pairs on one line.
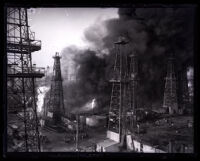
[[93, 103], [190, 74], [87, 107]]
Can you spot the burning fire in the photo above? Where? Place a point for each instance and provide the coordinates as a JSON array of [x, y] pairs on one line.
[[87, 107], [190, 74], [93, 103], [90, 105]]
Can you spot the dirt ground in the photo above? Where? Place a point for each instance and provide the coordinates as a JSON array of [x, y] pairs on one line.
[[57, 141], [175, 128]]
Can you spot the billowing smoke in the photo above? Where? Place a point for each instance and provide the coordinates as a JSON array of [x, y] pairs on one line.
[[94, 34], [89, 70], [69, 67], [153, 33], [168, 31]]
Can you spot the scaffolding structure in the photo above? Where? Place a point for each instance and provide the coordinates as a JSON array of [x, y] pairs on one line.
[[170, 102], [21, 75], [134, 83], [120, 104], [183, 90], [55, 106]]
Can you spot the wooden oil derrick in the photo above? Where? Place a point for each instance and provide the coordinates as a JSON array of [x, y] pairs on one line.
[[183, 91], [21, 75], [55, 106], [170, 102], [120, 95]]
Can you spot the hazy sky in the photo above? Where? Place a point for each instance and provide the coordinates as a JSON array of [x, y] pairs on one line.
[[58, 28]]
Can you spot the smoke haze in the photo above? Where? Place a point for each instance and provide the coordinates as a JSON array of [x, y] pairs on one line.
[[153, 34]]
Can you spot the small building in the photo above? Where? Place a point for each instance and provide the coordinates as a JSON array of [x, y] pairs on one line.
[[138, 146], [107, 146], [113, 136]]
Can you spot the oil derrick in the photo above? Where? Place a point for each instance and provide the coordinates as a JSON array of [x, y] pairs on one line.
[[183, 90], [21, 89], [170, 102], [133, 88], [119, 96], [55, 106]]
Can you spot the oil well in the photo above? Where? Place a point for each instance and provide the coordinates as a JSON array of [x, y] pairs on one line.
[[22, 123], [128, 127], [55, 106]]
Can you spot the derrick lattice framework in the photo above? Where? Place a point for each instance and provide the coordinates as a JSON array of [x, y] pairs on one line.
[[183, 90], [56, 102], [134, 83], [21, 88], [122, 103], [170, 102]]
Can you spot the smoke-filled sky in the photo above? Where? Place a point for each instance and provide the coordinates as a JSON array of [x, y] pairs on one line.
[[58, 28], [85, 38]]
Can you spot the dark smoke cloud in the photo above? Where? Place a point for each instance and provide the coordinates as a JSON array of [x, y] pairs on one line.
[[68, 65], [169, 31], [94, 34], [153, 33], [91, 79]]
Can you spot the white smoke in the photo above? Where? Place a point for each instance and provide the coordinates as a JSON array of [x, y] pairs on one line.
[[41, 94]]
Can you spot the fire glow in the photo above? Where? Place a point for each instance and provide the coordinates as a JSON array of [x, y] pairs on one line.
[[90, 105], [93, 103]]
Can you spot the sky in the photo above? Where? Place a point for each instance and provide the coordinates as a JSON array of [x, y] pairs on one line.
[[58, 28]]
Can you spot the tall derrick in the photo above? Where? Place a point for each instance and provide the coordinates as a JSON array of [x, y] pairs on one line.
[[170, 102], [133, 86], [55, 106], [183, 90], [21, 75], [120, 100]]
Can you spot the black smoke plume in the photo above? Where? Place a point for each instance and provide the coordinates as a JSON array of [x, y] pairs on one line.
[[153, 33], [90, 81]]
